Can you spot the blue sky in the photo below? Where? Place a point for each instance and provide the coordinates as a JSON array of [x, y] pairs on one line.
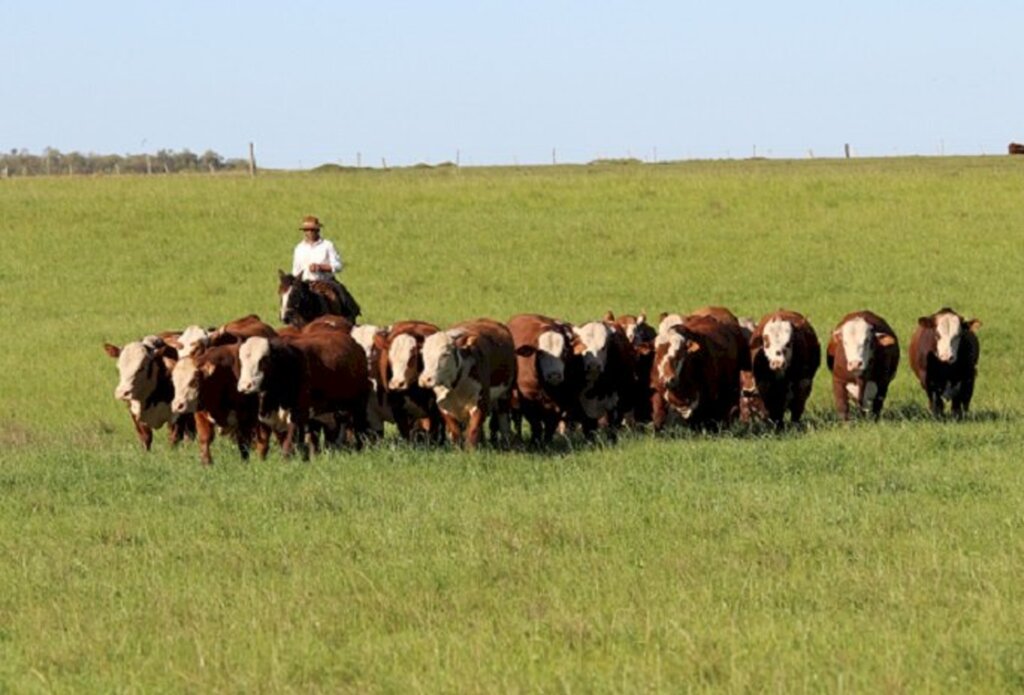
[[502, 82]]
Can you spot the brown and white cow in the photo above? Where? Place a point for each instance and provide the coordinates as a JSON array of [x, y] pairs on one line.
[[641, 337], [696, 371], [784, 354], [144, 384], [543, 354], [751, 406], [471, 368], [604, 361], [944, 353], [397, 365], [206, 385], [320, 376], [196, 337], [863, 354]]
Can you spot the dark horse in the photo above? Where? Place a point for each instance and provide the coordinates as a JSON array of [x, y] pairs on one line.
[[304, 300]]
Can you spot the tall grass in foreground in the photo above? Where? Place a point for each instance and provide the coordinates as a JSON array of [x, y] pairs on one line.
[[864, 558]]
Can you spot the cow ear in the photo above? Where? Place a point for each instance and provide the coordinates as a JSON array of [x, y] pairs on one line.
[[926, 322], [207, 368], [281, 275], [756, 341], [578, 348], [693, 347], [609, 316], [973, 325], [526, 351], [661, 316], [886, 340], [467, 341], [112, 350], [380, 341], [641, 318]]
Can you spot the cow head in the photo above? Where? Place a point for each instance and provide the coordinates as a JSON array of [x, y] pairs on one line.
[[191, 339], [552, 352], [591, 344], [137, 367], [445, 355], [405, 361], [671, 350], [254, 359], [859, 340], [949, 328], [777, 343], [187, 377]]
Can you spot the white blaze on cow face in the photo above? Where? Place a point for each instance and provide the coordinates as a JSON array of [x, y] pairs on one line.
[[778, 343], [364, 336], [400, 356], [186, 386], [858, 344], [948, 331], [550, 363], [669, 322], [440, 360], [594, 341], [133, 368], [253, 355], [192, 338], [671, 361]]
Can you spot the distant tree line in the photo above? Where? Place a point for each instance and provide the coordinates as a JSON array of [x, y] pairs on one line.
[[54, 162]]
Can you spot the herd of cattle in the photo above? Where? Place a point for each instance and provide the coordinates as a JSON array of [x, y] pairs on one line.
[[341, 382]]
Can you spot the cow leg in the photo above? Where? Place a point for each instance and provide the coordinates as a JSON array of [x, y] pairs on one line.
[[454, 429], [206, 433], [963, 398], [476, 424], [935, 403], [659, 411], [144, 432], [841, 397], [262, 440]]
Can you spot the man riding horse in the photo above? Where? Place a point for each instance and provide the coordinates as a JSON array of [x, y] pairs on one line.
[[315, 261]]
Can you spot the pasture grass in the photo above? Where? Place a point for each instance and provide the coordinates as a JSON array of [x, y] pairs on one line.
[[865, 558]]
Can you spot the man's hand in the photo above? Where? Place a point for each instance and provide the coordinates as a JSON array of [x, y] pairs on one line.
[[319, 267]]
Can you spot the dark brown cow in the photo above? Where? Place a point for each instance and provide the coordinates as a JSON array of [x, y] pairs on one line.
[[944, 353], [543, 353], [320, 376], [472, 369], [641, 337], [603, 374], [206, 385], [397, 362], [863, 354], [751, 406], [144, 384], [785, 354], [696, 371], [1016, 148]]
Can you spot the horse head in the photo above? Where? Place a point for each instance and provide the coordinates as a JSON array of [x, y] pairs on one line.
[[292, 291]]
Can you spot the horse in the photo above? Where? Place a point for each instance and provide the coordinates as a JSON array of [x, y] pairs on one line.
[[304, 300]]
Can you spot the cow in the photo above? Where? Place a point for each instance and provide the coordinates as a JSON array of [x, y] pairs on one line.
[[863, 354], [1016, 148], [696, 371], [377, 411], [604, 363], [543, 348], [144, 371], [196, 337], [784, 355], [471, 368], [641, 337], [397, 365], [944, 353], [320, 376], [206, 385], [751, 406]]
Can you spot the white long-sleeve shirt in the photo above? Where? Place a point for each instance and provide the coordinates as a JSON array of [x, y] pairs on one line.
[[320, 251]]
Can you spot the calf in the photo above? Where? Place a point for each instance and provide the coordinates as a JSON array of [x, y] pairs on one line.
[[543, 351], [144, 383], [471, 368], [944, 353], [696, 371], [640, 335], [784, 355], [604, 363], [397, 367], [377, 412], [206, 385], [862, 355], [320, 376]]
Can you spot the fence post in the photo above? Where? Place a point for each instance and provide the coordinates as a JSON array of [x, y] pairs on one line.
[[846, 148], [252, 161]]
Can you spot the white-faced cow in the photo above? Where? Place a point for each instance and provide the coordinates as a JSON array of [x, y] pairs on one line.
[[397, 365], [471, 368], [640, 335], [944, 353], [862, 355], [543, 354], [144, 384], [607, 377], [785, 354]]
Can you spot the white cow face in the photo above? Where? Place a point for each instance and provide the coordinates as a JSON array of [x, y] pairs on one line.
[[441, 360], [671, 350], [551, 349], [364, 335], [948, 330], [186, 386], [254, 356], [136, 368], [858, 343], [403, 356], [192, 338], [592, 346], [777, 338]]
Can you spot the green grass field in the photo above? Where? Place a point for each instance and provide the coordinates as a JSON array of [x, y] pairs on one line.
[[865, 558]]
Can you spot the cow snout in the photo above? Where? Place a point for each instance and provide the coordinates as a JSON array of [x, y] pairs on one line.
[[427, 382], [245, 386], [123, 393], [855, 366], [177, 406], [554, 378], [949, 358], [398, 385], [777, 363]]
